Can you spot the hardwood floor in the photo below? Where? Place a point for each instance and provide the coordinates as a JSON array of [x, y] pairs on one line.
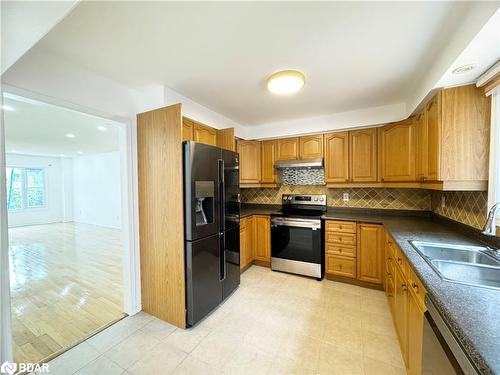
[[66, 282]]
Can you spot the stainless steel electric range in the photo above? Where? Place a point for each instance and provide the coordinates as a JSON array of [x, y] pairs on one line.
[[297, 236]]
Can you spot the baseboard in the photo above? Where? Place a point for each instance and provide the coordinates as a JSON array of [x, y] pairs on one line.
[[351, 281], [262, 263]]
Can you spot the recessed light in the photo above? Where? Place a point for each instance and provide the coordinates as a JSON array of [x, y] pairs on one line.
[[102, 128], [70, 135], [285, 82], [464, 69], [79, 152], [7, 108], [62, 155]]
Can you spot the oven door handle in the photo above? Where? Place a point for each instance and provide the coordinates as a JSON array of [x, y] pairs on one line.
[[296, 224]]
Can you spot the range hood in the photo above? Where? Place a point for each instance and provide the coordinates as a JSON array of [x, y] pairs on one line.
[[299, 164]]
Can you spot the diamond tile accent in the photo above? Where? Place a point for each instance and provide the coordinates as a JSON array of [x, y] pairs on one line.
[[405, 199], [468, 207]]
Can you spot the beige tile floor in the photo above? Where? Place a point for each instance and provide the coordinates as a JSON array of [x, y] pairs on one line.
[[273, 324]]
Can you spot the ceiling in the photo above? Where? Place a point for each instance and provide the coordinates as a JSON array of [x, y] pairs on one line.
[[354, 54], [35, 128]]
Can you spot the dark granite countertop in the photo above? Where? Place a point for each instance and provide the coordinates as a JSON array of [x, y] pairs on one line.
[[259, 209], [473, 313]]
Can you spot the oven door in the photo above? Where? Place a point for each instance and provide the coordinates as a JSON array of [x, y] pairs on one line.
[[296, 239]]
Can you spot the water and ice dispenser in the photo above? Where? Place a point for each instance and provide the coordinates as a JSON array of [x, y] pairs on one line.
[[205, 202]]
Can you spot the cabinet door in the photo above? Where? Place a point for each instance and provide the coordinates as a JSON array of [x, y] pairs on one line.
[[187, 129], [341, 266], [398, 151], [415, 336], [262, 237], [225, 139], [400, 310], [311, 147], [246, 241], [433, 139], [249, 162], [204, 134], [363, 146], [268, 151], [337, 157], [421, 146], [370, 253], [288, 149]]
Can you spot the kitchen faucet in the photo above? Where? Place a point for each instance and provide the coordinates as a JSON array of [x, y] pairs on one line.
[[490, 228]]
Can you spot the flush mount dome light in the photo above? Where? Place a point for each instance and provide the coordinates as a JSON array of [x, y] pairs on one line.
[[464, 69], [285, 82]]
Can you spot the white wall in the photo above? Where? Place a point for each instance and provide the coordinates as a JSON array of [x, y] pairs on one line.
[[97, 189], [54, 187]]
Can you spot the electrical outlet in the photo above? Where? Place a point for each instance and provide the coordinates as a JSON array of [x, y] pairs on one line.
[[443, 201], [345, 197]]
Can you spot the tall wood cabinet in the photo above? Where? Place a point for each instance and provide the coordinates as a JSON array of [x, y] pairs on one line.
[[397, 151], [337, 157], [250, 166], [363, 155], [268, 157]]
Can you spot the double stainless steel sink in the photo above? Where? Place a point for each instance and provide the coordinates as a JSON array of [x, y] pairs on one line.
[[470, 265]]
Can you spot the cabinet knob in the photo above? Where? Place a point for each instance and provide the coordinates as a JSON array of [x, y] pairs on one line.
[[389, 274], [400, 261], [404, 287], [415, 286], [340, 250]]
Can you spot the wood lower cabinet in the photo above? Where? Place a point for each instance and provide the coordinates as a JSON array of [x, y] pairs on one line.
[[397, 144], [262, 238], [249, 162], [337, 157], [340, 266], [370, 254], [288, 149], [246, 241], [415, 327], [363, 155], [311, 147], [204, 134], [268, 157], [400, 311]]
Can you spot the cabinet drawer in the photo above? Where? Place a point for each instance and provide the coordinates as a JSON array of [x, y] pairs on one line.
[[344, 250], [341, 226], [341, 266], [339, 238]]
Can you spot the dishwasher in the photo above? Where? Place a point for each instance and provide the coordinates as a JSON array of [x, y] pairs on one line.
[[441, 352]]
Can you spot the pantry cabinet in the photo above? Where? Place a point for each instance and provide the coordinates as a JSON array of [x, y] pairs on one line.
[[363, 155], [370, 259], [268, 157], [288, 149], [250, 166], [397, 151], [204, 134], [337, 157], [311, 147]]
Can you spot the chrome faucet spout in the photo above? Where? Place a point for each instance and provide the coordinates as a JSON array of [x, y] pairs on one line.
[[490, 227]]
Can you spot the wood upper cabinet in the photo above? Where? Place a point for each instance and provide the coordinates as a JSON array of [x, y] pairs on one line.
[[397, 142], [204, 134], [225, 139], [268, 157], [421, 146], [363, 155], [337, 157], [415, 336], [249, 162], [187, 129], [246, 241], [311, 147], [432, 140], [288, 149], [262, 238], [370, 253]]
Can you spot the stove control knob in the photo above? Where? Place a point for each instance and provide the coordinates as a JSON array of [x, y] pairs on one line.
[[315, 199], [321, 199]]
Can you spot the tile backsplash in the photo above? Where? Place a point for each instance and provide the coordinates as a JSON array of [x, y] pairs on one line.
[[303, 176], [405, 199], [467, 207]]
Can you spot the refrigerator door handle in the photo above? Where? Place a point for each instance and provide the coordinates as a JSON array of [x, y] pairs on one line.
[[222, 196], [222, 257]]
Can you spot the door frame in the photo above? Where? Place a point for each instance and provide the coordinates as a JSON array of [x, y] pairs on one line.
[[129, 208]]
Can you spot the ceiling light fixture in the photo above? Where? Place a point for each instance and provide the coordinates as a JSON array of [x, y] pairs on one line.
[[79, 152], [70, 135], [464, 69], [285, 82], [102, 128], [7, 108]]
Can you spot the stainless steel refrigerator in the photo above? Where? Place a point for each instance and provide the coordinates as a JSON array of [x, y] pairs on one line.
[[212, 227]]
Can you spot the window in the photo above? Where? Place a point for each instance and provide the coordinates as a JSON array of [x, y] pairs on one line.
[[25, 188]]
